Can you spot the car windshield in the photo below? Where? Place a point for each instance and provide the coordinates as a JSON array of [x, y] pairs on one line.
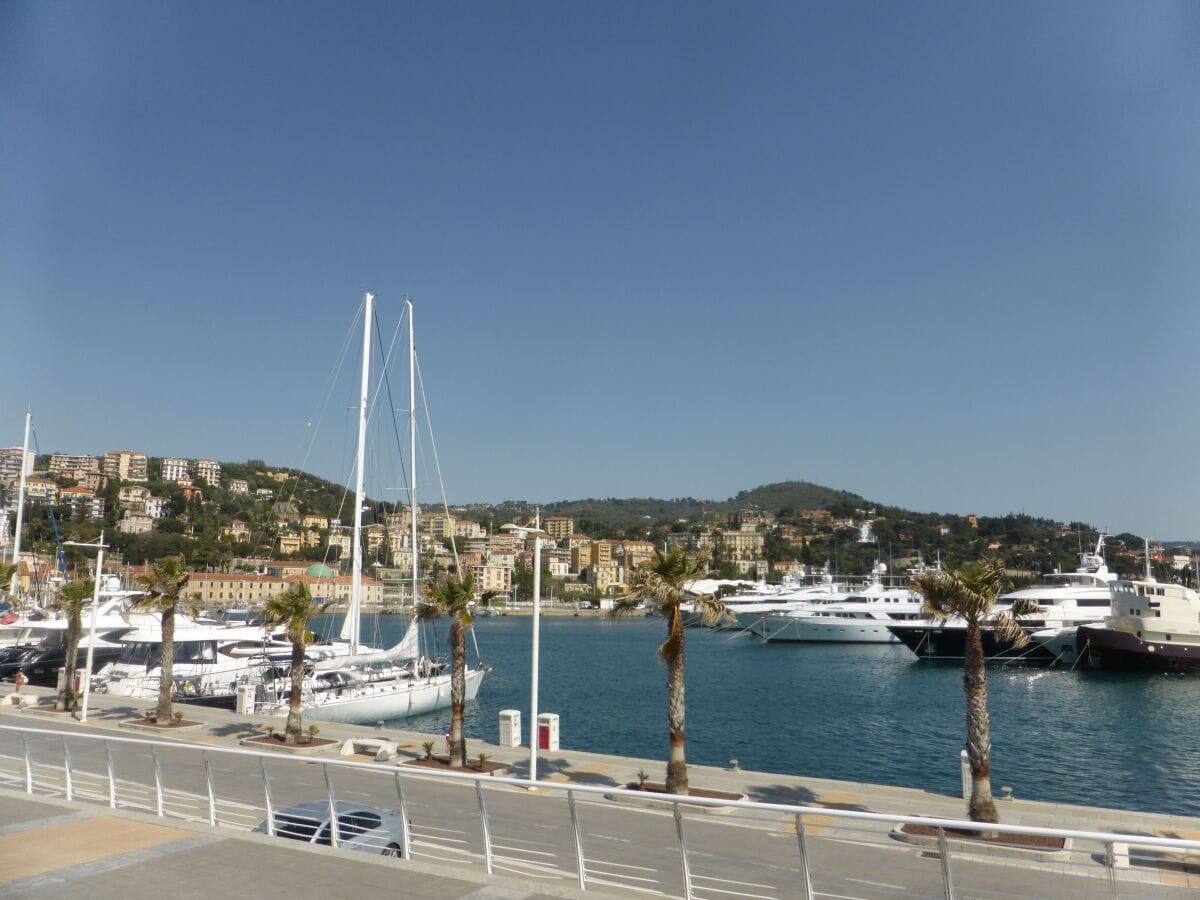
[[297, 828]]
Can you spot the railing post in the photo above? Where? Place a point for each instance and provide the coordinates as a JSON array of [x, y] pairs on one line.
[[212, 794], [1110, 863], [802, 841], [70, 785], [262, 768], [944, 853], [28, 765], [580, 865], [112, 776], [159, 804], [683, 854], [333, 822], [405, 831], [487, 829]]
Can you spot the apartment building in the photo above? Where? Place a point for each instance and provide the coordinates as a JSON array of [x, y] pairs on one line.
[[237, 531], [465, 528], [343, 541], [176, 470], [634, 554], [604, 576], [491, 578], [83, 502], [436, 525], [314, 521], [156, 507], [289, 544], [10, 463], [740, 545], [239, 486], [559, 527], [133, 496], [220, 588], [601, 552], [93, 481], [128, 465], [41, 491], [67, 464], [209, 470], [135, 523]]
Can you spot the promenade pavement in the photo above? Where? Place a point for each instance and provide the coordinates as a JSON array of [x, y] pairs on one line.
[[140, 856]]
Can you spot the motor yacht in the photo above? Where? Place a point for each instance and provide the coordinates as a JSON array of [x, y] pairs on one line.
[[1154, 627]]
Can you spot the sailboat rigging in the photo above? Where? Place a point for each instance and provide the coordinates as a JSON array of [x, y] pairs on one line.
[[364, 685]]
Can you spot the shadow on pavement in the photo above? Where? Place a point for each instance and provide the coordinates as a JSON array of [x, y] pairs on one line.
[[794, 795], [550, 766]]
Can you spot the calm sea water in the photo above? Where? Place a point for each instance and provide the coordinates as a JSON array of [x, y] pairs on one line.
[[849, 712]]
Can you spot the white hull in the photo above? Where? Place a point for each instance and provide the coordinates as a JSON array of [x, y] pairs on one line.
[[817, 630], [369, 703]]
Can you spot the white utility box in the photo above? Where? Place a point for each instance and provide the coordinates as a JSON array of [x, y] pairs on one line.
[[245, 699], [548, 731], [510, 728]]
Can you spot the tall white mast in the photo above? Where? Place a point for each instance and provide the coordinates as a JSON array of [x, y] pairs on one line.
[[412, 449], [356, 572], [16, 557]]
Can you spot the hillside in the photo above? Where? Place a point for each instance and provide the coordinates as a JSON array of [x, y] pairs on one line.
[[627, 513]]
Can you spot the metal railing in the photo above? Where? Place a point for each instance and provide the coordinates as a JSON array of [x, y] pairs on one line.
[[596, 835]]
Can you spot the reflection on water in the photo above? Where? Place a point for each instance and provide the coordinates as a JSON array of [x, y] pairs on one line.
[[848, 712]]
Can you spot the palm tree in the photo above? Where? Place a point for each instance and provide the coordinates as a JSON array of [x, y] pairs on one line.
[[293, 608], [661, 583], [71, 598], [451, 597], [969, 593], [162, 587]]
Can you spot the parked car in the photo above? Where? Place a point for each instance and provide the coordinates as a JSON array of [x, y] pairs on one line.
[[359, 827]]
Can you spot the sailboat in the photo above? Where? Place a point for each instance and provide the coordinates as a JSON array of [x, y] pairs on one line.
[[364, 686]]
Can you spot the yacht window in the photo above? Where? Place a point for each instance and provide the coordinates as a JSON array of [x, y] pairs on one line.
[[1086, 602]]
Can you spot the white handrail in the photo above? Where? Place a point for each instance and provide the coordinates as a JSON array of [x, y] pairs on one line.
[[558, 787]]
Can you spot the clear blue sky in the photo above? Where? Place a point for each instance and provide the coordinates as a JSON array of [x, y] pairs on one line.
[[943, 255]]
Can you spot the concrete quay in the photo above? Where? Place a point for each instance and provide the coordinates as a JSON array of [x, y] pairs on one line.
[[138, 858]]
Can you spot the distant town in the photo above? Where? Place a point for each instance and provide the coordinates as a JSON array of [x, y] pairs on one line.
[[249, 530]]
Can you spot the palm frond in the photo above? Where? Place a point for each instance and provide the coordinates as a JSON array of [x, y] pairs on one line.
[[967, 592], [73, 595], [1009, 629], [712, 610], [625, 606]]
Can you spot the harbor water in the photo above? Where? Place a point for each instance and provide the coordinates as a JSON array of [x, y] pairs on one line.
[[862, 713]]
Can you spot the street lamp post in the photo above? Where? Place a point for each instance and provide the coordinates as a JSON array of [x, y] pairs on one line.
[[537, 608], [87, 675]]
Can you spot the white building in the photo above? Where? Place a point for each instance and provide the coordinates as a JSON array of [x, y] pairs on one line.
[[209, 470], [175, 469]]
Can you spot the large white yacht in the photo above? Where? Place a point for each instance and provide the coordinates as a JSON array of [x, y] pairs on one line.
[[795, 592], [209, 660], [860, 618], [1065, 601], [1154, 627]]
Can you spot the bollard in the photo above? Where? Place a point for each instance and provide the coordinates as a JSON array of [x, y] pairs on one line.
[[967, 781]]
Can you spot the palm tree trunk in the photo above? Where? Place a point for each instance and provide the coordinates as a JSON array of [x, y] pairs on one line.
[[672, 652], [291, 731], [979, 742], [458, 693], [162, 714], [67, 696]]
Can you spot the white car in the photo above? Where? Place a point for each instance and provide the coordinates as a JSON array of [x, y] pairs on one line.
[[358, 827]]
